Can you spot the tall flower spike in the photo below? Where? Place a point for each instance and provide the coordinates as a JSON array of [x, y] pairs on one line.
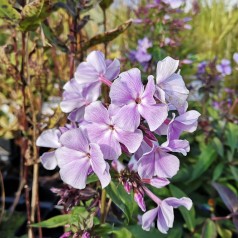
[[76, 97], [97, 70], [104, 131], [77, 157], [129, 93], [164, 213], [170, 86]]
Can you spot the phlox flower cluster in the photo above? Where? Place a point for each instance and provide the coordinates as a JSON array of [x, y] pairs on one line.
[[138, 114]]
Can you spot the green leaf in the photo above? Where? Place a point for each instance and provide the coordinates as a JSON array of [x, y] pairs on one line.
[[92, 178], [34, 13], [218, 171], [53, 222], [53, 39], [122, 233], [232, 136], [8, 12], [107, 36], [189, 216], [209, 229], [102, 229], [224, 233], [123, 200], [205, 160], [218, 146]]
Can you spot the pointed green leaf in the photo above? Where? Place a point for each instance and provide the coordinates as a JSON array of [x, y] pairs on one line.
[[189, 216], [123, 200], [205, 160], [53, 222], [209, 229], [107, 36]]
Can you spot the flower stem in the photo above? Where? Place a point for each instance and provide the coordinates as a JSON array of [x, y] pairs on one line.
[[103, 206]]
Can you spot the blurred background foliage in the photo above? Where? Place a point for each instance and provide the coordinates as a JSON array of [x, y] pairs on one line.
[[41, 42]]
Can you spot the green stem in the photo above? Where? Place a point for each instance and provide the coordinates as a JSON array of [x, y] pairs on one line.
[[103, 206]]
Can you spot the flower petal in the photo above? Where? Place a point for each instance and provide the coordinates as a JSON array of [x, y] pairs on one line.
[[148, 218], [147, 96], [69, 105], [96, 157], [165, 69], [75, 139], [65, 156], [155, 115], [127, 87], [166, 165], [113, 70], [132, 140], [177, 202], [48, 160], [75, 173], [105, 177], [165, 217], [97, 113], [175, 90], [128, 117], [86, 73], [49, 139], [97, 60], [77, 115]]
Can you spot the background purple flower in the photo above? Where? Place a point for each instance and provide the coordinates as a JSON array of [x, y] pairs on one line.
[[224, 67]]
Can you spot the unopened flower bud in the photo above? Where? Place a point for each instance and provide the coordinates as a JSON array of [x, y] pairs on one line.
[[139, 198], [86, 235], [127, 187]]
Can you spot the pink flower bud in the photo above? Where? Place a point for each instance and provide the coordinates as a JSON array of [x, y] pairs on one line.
[[127, 187], [139, 198], [86, 235]]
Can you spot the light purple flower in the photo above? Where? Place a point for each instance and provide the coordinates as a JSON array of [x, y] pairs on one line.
[[144, 44], [174, 3], [202, 67], [49, 139], [164, 213], [77, 157], [97, 70], [170, 86], [180, 146], [140, 54], [156, 182], [76, 97], [104, 130], [129, 93], [157, 162], [86, 235], [224, 67], [187, 121], [235, 57]]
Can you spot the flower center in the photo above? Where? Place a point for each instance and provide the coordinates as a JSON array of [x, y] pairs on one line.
[[111, 127], [138, 100], [88, 155]]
